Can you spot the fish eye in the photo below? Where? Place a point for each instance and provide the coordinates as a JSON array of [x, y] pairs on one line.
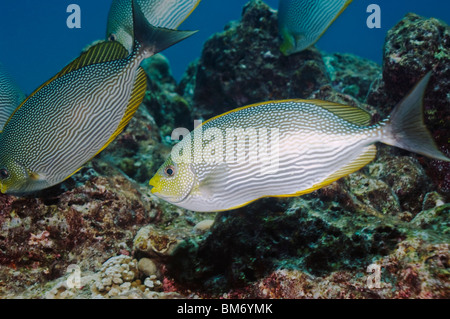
[[169, 171], [4, 174], [112, 37]]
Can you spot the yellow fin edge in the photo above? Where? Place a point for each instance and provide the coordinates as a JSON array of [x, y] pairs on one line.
[[101, 52], [137, 96], [350, 113], [332, 21], [135, 101], [362, 160], [192, 10]]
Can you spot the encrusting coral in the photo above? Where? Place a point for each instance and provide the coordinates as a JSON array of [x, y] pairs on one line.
[[126, 243]]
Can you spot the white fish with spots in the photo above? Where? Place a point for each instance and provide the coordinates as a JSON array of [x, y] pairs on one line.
[[283, 148]]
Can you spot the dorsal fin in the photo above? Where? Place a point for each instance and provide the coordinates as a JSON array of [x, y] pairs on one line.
[[98, 53], [104, 51], [352, 114]]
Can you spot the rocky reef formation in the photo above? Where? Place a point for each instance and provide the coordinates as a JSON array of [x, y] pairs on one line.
[[243, 65], [101, 234], [413, 47]]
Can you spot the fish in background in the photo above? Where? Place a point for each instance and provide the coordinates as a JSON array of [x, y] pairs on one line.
[[319, 142], [302, 22], [167, 14], [77, 113], [10, 95]]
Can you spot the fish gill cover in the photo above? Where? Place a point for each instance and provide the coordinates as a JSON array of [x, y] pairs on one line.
[[102, 234]]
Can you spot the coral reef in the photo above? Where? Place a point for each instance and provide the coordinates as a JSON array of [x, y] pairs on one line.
[[40, 237], [413, 47], [169, 109], [413, 270], [103, 226], [243, 65]]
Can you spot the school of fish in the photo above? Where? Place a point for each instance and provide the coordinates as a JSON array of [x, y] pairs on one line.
[[272, 149]]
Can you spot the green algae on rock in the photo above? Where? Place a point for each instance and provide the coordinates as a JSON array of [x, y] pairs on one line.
[[169, 109], [413, 47], [394, 213]]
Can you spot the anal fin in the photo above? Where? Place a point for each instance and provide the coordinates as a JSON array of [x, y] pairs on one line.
[[366, 156], [136, 98]]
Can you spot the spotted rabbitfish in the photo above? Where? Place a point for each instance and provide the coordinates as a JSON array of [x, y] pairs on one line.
[[10, 95], [167, 14], [77, 113], [282, 149], [302, 22]]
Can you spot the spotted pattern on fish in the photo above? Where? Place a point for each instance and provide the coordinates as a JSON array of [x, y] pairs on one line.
[[10, 96], [303, 22], [328, 144], [312, 144]]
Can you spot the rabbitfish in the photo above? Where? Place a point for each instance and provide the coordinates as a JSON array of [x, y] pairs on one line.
[[302, 22], [283, 148]]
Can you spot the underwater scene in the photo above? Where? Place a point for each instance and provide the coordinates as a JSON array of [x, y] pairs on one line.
[[247, 149]]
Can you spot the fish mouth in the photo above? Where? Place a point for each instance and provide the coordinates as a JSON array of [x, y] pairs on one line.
[[153, 183], [3, 188], [156, 190]]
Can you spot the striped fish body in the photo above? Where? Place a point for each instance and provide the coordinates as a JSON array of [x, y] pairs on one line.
[[76, 114], [167, 14], [281, 149], [303, 22], [69, 120], [10, 96]]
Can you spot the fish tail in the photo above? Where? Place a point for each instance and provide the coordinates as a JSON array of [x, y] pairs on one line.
[[406, 128], [150, 39]]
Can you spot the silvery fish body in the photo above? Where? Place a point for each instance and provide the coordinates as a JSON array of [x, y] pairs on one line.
[[76, 114], [10, 96], [167, 14], [302, 22], [280, 149]]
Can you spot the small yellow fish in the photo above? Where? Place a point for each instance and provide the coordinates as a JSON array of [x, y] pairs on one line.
[[283, 148], [302, 22]]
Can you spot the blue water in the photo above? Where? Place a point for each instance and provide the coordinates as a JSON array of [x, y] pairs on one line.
[[35, 41]]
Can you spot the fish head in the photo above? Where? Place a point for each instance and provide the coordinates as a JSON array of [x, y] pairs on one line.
[[13, 175], [288, 42], [17, 179], [173, 182]]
